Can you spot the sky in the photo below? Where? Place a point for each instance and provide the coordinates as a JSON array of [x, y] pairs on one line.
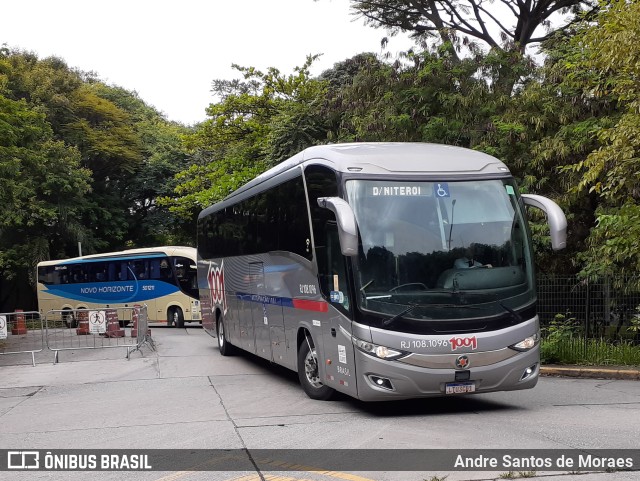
[[169, 52]]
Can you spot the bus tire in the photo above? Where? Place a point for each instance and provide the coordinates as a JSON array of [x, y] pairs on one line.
[[309, 376], [176, 317], [226, 348], [69, 319]]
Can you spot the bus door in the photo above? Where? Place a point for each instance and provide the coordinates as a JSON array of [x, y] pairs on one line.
[[274, 309], [259, 310], [338, 349], [139, 272], [266, 311], [247, 302]]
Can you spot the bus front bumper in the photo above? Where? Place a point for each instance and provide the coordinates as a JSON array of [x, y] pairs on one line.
[[380, 380]]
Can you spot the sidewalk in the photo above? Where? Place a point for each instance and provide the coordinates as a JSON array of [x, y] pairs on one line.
[[594, 372]]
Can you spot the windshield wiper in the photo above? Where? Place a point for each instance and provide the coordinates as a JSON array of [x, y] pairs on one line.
[[391, 320], [517, 316]]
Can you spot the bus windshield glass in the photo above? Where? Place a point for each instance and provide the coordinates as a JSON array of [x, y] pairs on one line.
[[187, 275], [440, 250]]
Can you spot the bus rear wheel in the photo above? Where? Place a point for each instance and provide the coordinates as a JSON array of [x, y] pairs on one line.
[[226, 348], [309, 375], [175, 316]]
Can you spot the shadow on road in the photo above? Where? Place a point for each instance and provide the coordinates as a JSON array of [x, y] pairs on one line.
[[413, 407]]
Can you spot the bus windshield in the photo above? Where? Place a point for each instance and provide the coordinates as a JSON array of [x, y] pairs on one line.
[[187, 276], [440, 250]]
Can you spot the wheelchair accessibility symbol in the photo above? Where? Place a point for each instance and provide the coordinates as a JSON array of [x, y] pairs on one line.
[[442, 189]]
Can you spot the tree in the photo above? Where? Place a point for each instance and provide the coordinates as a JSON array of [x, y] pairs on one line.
[[163, 156], [260, 120], [80, 161], [608, 68], [472, 23], [43, 187], [101, 131], [472, 19]]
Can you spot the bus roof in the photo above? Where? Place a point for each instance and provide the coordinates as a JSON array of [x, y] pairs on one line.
[[390, 158], [189, 252]]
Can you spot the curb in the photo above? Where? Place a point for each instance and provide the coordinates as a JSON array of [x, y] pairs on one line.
[[592, 372]]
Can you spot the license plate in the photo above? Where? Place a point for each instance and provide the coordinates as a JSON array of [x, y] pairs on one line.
[[459, 387]]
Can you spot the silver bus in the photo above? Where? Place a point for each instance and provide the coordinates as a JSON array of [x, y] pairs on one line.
[[381, 270]]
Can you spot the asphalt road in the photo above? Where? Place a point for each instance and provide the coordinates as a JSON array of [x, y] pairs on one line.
[[186, 396]]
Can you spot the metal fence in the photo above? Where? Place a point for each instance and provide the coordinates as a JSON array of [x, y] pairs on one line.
[[82, 329], [77, 330], [21, 333], [604, 308]]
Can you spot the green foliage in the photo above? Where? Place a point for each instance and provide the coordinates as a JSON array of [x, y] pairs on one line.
[[578, 350], [635, 325], [259, 121], [80, 162], [93, 163], [466, 22], [427, 96], [560, 330], [42, 184], [605, 68]]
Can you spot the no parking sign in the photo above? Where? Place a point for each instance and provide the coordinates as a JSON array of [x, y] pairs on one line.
[[3, 327]]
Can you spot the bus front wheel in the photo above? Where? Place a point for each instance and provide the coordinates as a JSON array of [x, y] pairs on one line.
[[308, 372], [226, 348], [175, 317]]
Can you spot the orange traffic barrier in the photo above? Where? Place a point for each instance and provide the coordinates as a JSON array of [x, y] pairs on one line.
[[20, 326], [83, 323], [113, 325]]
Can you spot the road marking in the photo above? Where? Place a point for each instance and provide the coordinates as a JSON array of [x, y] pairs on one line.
[[267, 477], [272, 477], [197, 467]]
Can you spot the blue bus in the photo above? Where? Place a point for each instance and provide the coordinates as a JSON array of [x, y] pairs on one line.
[[162, 278]]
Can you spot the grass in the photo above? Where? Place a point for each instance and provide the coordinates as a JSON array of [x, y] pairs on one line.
[[590, 352]]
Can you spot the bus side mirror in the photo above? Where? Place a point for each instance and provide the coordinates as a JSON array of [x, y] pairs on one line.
[[555, 218], [347, 230]]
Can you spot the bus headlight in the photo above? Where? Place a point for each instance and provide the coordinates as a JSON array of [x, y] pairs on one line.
[[381, 352], [527, 344]]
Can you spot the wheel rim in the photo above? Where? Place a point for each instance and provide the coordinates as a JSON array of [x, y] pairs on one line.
[[311, 369], [220, 334]]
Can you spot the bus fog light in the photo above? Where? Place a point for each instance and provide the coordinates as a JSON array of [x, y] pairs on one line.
[[526, 344], [382, 382], [529, 372]]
